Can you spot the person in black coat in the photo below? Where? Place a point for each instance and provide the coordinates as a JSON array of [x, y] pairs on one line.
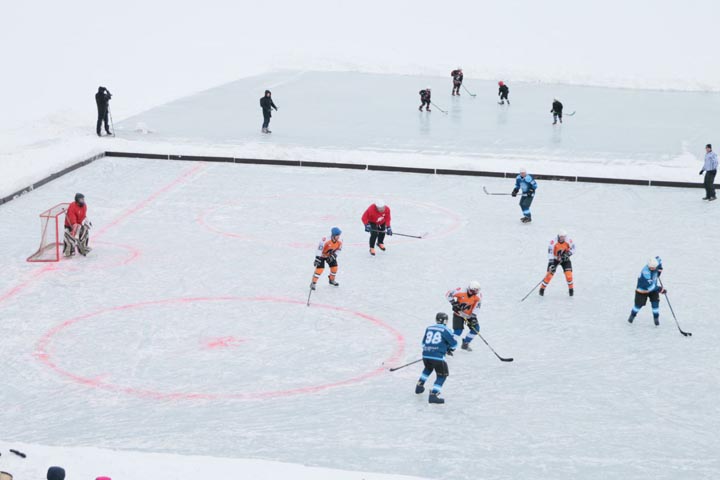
[[102, 99], [503, 92], [457, 76], [556, 110], [425, 99], [267, 105]]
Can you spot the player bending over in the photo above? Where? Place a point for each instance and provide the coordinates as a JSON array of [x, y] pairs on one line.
[[327, 253], [377, 222], [437, 342], [559, 252], [464, 302], [77, 228], [648, 286]]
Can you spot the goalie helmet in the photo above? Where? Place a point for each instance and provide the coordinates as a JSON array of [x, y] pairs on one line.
[[442, 318]]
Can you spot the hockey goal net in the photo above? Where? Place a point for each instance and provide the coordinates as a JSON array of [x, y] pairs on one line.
[[51, 234]]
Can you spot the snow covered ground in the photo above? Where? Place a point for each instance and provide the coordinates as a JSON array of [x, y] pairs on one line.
[[186, 331]]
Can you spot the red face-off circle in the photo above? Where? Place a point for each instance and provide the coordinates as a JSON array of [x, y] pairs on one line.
[[48, 355]]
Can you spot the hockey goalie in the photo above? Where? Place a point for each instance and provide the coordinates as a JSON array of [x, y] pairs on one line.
[[77, 228]]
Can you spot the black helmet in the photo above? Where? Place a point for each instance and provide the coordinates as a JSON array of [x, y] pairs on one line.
[[441, 318], [79, 196]]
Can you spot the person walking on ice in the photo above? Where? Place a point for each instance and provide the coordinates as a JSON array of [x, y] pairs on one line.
[[464, 302], [327, 254], [710, 170], [503, 92], [267, 104], [559, 252], [377, 222], [556, 110], [648, 286], [437, 342], [527, 185], [425, 99]]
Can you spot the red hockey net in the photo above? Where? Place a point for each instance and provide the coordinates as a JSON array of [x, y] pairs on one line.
[[51, 234]]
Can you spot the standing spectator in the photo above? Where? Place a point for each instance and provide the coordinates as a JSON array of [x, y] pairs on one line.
[[556, 110], [267, 104], [56, 473], [709, 169], [102, 99]]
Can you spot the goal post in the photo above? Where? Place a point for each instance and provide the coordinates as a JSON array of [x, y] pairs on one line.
[[51, 234]]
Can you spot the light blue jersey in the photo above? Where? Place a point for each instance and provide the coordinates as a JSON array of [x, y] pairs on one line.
[[648, 280], [526, 185]]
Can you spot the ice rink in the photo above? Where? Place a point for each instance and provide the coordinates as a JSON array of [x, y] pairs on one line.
[[374, 112], [186, 331]]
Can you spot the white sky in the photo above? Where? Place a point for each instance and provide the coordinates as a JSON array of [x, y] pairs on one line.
[[55, 53]]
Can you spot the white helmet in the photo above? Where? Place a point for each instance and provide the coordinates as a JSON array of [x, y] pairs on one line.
[[474, 286], [380, 204], [562, 233], [523, 170], [652, 263]]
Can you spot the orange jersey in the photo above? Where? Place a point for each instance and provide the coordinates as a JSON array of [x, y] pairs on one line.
[[556, 249], [328, 247], [467, 303]]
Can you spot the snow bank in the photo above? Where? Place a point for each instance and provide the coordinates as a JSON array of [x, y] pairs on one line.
[[90, 463]]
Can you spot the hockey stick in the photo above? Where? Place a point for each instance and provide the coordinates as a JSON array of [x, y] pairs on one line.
[[686, 334], [489, 193], [401, 234], [406, 365], [531, 291], [468, 91], [571, 113], [476, 332], [309, 293], [443, 111]]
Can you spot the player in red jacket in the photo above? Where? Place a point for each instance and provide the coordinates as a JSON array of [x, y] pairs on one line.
[[77, 228], [377, 222]]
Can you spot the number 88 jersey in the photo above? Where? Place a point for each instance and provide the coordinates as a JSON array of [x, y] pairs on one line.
[[437, 341]]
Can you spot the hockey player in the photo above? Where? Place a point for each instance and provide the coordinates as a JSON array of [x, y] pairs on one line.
[[327, 253], [710, 170], [464, 302], [503, 92], [437, 342], [425, 99], [556, 110], [77, 228], [267, 104], [457, 76], [377, 222], [527, 184], [559, 252], [102, 100], [648, 286]]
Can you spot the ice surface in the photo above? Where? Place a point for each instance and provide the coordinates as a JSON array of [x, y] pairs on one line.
[[360, 111], [112, 351]]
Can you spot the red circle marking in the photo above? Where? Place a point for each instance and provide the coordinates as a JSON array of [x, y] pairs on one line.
[[456, 220], [44, 355], [132, 254]]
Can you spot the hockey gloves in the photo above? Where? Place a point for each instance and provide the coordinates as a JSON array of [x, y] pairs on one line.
[[514, 192], [368, 228], [389, 231]]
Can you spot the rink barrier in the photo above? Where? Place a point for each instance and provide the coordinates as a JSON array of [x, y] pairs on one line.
[[349, 166], [50, 178]]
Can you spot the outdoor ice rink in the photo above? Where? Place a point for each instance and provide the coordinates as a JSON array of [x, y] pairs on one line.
[[186, 329]]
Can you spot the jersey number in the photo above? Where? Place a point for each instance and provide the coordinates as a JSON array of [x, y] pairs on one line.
[[433, 338]]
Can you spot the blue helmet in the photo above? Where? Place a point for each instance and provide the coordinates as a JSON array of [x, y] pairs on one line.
[[335, 231]]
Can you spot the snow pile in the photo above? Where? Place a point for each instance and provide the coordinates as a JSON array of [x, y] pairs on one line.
[[89, 463]]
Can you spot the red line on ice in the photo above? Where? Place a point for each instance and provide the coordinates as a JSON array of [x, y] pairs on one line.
[[44, 355]]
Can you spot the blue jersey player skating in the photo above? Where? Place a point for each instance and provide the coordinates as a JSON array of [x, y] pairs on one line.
[[437, 342], [527, 185], [648, 286]]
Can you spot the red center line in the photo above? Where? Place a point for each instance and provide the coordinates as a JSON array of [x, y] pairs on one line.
[[37, 274]]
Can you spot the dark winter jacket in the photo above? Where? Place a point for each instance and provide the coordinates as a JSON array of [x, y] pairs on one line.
[[425, 95], [102, 99], [457, 76], [503, 91], [266, 103], [557, 107]]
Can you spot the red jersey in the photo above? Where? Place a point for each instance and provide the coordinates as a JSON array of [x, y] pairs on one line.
[[373, 215], [75, 214]]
